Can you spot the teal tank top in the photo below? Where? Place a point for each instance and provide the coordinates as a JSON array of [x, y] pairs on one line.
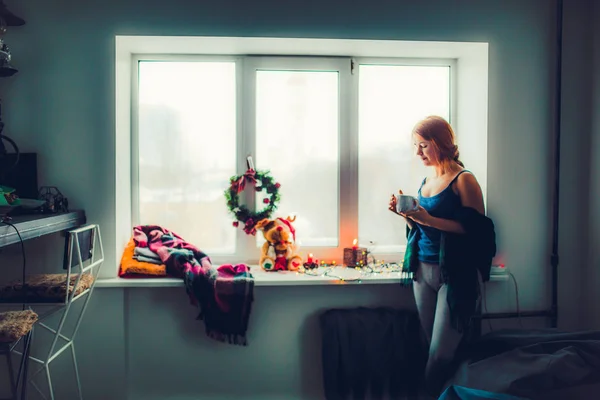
[[442, 205]]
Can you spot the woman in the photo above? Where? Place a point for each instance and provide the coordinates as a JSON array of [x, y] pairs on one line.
[[450, 242]]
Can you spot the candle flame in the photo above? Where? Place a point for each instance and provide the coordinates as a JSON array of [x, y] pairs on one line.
[[310, 255], [354, 242]]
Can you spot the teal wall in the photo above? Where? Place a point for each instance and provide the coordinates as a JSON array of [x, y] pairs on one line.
[[593, 262], [62, 105]]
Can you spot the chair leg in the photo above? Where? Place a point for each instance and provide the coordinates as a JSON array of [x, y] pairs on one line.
[[24, 366], [11, 376], [79, 392], [50, 388], [23, 378]]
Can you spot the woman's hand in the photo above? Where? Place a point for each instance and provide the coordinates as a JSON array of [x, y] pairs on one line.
[[420, 216], [392, 208], [392, 205]]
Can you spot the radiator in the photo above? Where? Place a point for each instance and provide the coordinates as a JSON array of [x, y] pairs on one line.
[[372, 353]]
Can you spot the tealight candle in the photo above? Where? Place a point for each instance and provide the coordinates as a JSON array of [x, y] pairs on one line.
[[355, 256]]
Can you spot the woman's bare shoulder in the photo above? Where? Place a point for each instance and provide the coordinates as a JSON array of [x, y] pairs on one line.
[[469, 191]]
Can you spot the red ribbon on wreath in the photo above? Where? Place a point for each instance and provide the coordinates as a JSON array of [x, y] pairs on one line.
[[240, 184]]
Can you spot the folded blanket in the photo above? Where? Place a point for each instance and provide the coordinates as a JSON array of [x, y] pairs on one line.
[[145, 252], [131, 267], [224, 295], [156, 261]]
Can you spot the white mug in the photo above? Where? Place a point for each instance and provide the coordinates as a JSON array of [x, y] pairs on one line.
[[406, 203]]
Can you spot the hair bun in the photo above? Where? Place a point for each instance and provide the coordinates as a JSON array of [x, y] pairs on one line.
[[456, 153]]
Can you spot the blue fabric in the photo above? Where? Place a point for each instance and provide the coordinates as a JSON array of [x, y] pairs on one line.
[[442, 205], [464, 393]]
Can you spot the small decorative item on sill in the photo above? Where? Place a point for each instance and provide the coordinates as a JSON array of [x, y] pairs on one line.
[[311, 263], [355, 256], [279, 252]]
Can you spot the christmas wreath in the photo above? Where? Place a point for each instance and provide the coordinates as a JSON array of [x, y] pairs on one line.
[[263, 182]]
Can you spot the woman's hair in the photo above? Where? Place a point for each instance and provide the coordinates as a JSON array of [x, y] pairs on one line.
[[439, 132]]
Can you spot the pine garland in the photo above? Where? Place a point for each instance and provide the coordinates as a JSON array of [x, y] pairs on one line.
[[264, 182]]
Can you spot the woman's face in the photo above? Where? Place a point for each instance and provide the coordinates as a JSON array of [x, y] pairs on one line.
[[425, 151]]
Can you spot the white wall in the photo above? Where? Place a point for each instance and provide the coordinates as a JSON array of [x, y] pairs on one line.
[[61, 104]]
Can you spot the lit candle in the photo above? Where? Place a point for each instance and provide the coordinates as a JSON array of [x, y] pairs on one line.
[[355, 244], [310, 258]]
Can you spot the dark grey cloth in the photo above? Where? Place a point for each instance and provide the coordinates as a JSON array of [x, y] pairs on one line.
[[371, 350], [461, 256], [532, 364], [509, 339]]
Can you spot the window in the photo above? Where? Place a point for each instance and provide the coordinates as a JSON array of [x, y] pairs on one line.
[[297, 138], [391, 99], [185, 152], [334, 132]]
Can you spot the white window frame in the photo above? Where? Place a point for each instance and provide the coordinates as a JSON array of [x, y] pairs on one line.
[[392, 252], [341, 65], [242, 245], [469, 88]]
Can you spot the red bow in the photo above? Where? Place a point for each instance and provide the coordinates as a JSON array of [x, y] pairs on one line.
[[249, 176]]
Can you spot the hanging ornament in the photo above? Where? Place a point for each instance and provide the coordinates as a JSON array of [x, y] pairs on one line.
[[262, 181]]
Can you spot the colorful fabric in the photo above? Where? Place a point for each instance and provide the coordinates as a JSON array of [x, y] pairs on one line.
[[132, 268], [224, 295]]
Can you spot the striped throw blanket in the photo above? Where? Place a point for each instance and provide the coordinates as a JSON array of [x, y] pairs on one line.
[[224, 295]]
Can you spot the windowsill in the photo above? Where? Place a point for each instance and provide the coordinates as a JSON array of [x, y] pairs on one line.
[[262, 278]]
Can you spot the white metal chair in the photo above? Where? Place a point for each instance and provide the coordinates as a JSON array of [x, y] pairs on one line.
[[84, 256], [16, 327]]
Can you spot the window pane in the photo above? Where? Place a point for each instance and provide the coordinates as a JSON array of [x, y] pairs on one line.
[[297, 140], [187, 142], [392, 99]]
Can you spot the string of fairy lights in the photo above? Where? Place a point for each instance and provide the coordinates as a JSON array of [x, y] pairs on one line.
[[358, 273], [362, 270]]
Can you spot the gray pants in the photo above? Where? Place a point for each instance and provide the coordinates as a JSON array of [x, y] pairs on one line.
[[434, 313]]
